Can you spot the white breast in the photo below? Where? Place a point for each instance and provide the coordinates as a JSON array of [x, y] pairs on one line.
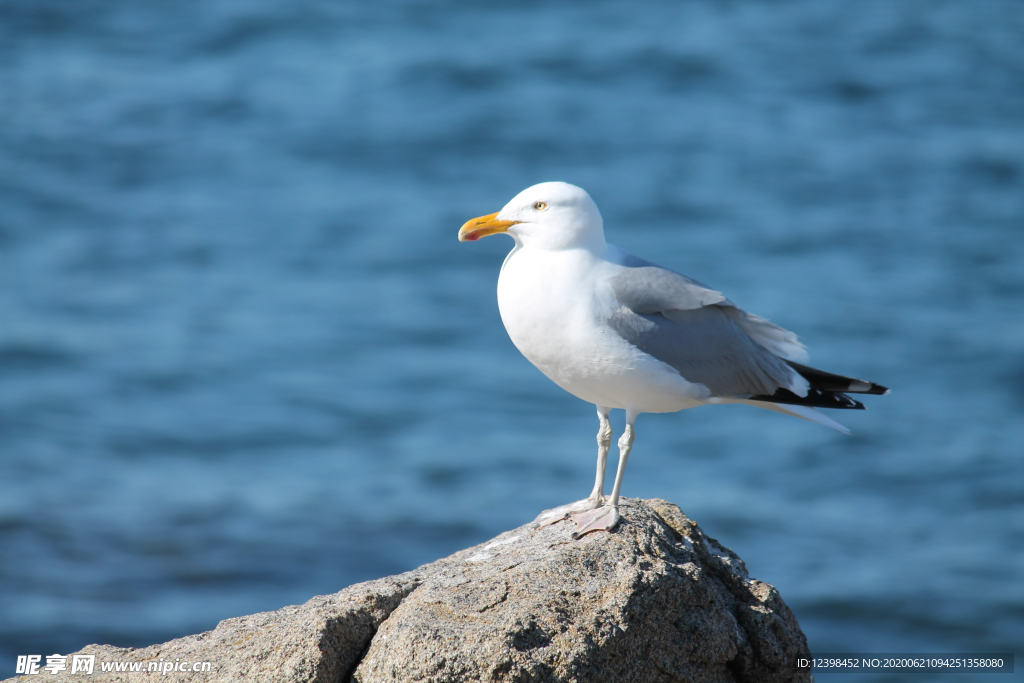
[[553, 304]]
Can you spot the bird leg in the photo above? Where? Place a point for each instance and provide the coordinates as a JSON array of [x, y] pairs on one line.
[[606, 517], [625, 446], [596, 497], [604, 443]]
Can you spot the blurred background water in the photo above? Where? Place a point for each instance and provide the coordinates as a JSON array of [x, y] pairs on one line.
[[244, 360]]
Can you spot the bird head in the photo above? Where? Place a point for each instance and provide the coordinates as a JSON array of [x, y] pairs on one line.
[[548, 216]]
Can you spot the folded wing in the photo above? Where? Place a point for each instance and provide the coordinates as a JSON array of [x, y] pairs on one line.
[[710, 341], [701, 334]]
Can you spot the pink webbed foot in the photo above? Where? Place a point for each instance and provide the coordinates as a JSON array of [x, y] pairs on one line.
[[555, 515], [599, 519]]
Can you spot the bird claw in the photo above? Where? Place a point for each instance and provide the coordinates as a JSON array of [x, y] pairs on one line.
[[599, 519]]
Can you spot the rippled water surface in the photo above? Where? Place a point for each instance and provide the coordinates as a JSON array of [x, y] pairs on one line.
[[244, 360]]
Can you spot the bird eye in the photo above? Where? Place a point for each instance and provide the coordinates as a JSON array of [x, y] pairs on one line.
[[540, 206]]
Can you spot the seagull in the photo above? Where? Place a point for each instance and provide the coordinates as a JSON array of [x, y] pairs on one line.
[[624, 333]]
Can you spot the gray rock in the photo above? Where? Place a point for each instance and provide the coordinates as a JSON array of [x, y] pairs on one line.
[[654, 600]]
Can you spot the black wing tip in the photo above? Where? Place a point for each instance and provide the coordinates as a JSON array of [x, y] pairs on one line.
[[815, 398], [829, 382], [862, 386]]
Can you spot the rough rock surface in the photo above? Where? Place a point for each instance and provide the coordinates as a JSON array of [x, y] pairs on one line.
[[654, 600]]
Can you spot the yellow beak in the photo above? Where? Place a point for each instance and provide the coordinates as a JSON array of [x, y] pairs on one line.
[[482, 227]]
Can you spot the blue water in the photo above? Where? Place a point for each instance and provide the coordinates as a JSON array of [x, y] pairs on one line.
[[244, 360]]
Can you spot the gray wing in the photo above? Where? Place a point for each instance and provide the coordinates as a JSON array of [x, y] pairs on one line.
[[697, 331], [651, 289]]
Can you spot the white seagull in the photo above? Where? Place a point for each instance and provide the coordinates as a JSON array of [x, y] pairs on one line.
[[621, 332]]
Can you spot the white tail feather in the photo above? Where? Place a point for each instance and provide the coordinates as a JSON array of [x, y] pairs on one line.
[[802, 412]]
